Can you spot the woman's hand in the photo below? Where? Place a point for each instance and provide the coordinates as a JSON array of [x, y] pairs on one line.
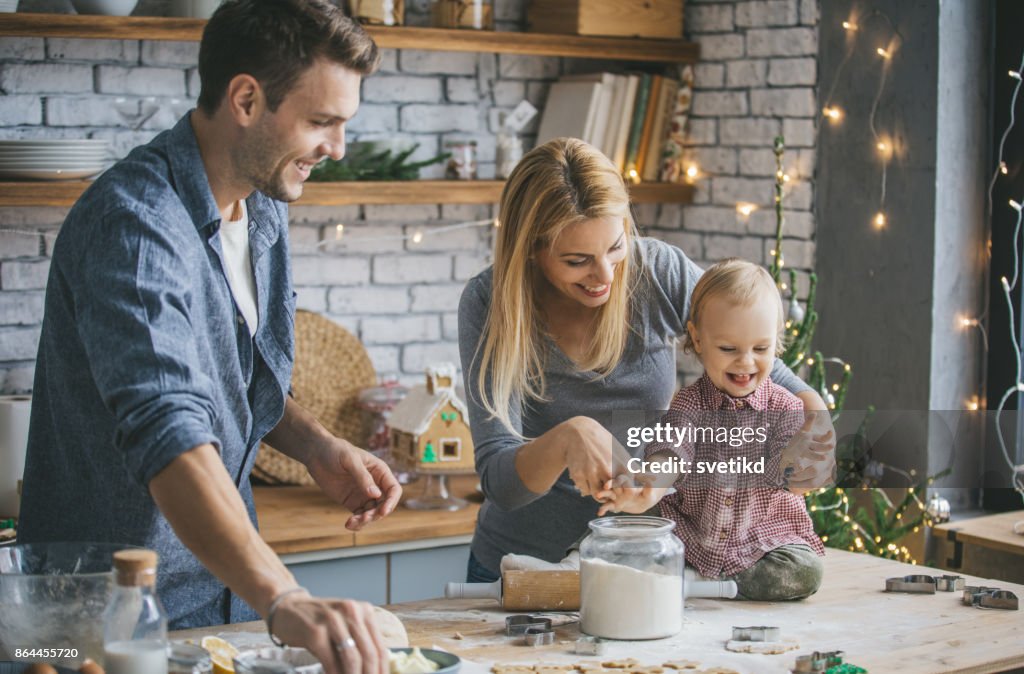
[[589, 451]]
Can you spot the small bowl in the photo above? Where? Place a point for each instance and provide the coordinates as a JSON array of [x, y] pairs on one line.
[[448, 663], [105, 7]]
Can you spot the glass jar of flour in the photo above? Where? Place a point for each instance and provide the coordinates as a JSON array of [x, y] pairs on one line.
[[631, 579]]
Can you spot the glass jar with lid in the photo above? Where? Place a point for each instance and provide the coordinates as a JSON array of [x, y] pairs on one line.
[[472, 14], [631, 578]]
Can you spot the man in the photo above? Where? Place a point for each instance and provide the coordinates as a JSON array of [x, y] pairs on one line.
[[167, 342]]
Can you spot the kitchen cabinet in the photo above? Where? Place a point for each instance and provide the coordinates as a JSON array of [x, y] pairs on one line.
[[385, 578]]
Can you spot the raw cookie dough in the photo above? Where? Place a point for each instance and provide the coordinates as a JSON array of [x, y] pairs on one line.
[[391, 628], [682, 664], [624, 663], [413, 662]]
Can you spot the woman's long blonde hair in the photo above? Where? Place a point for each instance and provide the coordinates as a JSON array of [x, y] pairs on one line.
[[558, 184]]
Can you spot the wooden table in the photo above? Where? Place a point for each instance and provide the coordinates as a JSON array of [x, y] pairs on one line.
[[983, 546], [879, 631], [302, 519]]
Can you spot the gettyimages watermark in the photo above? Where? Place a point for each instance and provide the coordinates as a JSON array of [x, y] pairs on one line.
[[763, 448]]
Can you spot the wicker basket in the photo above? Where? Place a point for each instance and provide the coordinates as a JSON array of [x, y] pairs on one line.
[[331, 367]]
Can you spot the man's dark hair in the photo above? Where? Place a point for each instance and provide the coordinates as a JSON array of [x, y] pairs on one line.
[[275, 41]]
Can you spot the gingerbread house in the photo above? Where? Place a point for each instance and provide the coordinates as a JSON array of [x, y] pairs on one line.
[[430, 426]]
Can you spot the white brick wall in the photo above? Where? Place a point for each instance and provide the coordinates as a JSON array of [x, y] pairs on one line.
[[755, 79]]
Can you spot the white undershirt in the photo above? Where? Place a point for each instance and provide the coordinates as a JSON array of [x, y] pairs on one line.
[[234, 239]]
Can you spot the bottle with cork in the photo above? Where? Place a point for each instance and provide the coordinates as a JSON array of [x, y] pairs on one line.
[[135, 623]]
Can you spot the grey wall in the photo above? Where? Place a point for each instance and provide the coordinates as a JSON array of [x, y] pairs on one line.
[[876, 286], [890, 299]]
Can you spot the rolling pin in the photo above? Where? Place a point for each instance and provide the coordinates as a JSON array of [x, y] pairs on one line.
[[560, 590], [525, 590]]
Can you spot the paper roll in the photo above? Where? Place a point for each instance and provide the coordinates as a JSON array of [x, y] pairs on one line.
[[14, 415]]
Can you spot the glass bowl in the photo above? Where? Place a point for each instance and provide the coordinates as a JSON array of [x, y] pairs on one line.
[[53, 595]]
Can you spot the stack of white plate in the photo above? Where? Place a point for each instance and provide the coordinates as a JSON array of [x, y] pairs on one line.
[[52, 159], [8, 5]]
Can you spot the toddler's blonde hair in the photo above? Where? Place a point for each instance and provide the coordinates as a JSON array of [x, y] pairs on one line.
[[740, 282]]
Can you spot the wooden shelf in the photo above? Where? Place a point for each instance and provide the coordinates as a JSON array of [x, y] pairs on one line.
[[402, 37], [347, 193]]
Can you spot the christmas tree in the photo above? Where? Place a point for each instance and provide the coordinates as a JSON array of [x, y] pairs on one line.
[[877, 524]]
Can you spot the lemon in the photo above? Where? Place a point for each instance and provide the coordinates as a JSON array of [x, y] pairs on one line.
[[221, 654]]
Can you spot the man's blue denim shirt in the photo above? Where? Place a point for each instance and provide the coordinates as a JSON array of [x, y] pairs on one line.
[[144, 355]]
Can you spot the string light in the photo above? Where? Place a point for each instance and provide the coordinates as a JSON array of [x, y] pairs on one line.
[[1003, 169], [1015, 75], [833, 113], [880, 220], [1015, 205], [973, 404], [849, 25], [745, 208], [883, 53], [692, 173], [416, 237]]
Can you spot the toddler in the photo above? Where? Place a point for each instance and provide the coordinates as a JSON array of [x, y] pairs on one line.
[[736, 525]]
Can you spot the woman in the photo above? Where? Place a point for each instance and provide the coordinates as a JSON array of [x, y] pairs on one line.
[[563, 341]]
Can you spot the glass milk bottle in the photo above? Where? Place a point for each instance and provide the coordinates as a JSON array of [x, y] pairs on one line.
[[631, 579], [135, 623]]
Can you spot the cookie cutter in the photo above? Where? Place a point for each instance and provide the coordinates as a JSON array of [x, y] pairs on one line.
[[538, 636], [589, 646], [912, 584], [818, 662], [947, 583], [973, 593], [998, 599], [516, 625], [757, 633]]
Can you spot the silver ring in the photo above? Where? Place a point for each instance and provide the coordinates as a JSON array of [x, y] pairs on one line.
[[349, 642]]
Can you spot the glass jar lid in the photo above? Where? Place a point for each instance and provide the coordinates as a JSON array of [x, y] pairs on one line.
[[638, 526]]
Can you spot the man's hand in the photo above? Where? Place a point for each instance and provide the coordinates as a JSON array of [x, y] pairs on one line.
[[811, 452], [351, 476], [341, 633], [356, 479]]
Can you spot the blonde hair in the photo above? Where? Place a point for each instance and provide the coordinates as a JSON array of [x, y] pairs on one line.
[[558, 184], [740, 282]]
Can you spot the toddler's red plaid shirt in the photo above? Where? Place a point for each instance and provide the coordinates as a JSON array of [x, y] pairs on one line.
[[729, 521]]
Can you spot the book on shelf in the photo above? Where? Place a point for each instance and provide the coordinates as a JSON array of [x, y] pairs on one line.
[[570, 110], [628, 117], [627, 103], [664, 106], [648, 126], [636, 123], [601, 115]]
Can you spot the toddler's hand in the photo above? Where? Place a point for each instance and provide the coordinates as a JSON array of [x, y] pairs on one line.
[[619, 495]]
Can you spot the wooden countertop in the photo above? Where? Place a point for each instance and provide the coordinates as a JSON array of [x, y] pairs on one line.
[[880, 631], [991, 531], [302, 519]]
